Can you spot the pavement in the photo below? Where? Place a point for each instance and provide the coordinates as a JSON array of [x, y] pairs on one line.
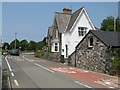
[[97, 80], [26, 71]]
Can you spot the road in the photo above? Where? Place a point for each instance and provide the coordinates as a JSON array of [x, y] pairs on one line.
[[26, 71]]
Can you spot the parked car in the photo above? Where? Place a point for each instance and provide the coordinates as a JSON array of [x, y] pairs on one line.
[[14, 52]]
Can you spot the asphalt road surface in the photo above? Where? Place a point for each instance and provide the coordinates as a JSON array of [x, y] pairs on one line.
[[26, 71]]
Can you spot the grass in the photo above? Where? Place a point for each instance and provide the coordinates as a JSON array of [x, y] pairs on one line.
[[26, 51], [4, 80]]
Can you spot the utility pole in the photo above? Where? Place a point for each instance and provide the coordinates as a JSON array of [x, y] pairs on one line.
[[114, 23], [15, 39]]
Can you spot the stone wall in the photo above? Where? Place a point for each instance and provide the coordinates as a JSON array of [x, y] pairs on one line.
[[71, 59], [96, 58]]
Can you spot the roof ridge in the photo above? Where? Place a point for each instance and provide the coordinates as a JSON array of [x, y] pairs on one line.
[[72, 20], [62, 13], [79, 9]]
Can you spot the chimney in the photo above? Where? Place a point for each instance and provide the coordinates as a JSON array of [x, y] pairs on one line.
[[67, 11]]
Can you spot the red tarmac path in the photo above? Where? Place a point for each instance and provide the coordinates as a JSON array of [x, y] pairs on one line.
[[95, 79]]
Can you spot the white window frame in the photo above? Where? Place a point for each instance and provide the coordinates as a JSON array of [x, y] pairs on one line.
[[82, 31]]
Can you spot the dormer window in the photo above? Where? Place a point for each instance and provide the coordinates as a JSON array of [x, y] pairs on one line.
[[82, 31], [90, 42]]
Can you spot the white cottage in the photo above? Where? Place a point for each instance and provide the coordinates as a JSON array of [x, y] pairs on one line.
[[68, 30]]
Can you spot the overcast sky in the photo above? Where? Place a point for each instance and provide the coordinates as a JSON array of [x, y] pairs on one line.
[[31, 19]]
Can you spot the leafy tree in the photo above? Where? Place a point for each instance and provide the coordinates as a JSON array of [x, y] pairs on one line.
[[108, 24], [32, 45], [5, 46], [24, 44], [41, 44], [116, 61], [12, 44], [118, 24]]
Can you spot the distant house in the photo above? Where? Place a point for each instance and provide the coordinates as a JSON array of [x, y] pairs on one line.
[[68, 30], [49, 36], [96, 50]]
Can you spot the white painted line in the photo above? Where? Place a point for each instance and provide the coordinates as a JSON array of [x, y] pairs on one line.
[[82, 84], [45, 68], [12, 74], [40, 66], [8, 64], [16, 82], [9, 82]]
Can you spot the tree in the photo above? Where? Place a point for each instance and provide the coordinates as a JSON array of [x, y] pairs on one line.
[[32, 45], [24, 45], [116, 61], [41, 44], [108, 24], [118, 24], [12, 44], [5, 46]]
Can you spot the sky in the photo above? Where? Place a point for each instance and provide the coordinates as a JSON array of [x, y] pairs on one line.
[[31, 19]]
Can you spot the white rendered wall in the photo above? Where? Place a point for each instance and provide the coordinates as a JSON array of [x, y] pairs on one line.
[[72, 38], [53, 47]]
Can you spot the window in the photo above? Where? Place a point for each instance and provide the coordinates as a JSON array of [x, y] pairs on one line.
[[56, 44], [56, 47], [90, 42], [82, 31]]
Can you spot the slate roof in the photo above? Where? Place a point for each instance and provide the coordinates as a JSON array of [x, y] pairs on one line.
[[50, 31], [109, 38], [62, 21], [73, 18]]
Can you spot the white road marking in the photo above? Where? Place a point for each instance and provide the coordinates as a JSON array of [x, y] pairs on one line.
[[16, 82], [8, 64], [12, 74], [82, 84], [63, 70], [40, 65], [108, 83], [45, 68], [9, 82]]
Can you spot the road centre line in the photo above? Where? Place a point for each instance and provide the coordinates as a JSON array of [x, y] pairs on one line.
[[40, 65], [82, 84], [16, 82], [44, 68]]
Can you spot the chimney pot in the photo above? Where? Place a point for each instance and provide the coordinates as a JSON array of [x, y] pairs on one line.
[[67, 11]]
